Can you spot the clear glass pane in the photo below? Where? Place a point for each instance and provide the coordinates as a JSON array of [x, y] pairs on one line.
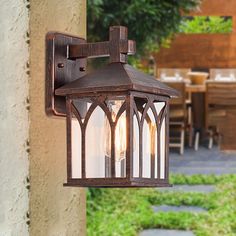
[[149, 143], [75, 149], [98, 133], [159, 106], [162, 149], [153, 138], [82, 106], [114, 106], [120, 146], [135, 147], [146, 151]]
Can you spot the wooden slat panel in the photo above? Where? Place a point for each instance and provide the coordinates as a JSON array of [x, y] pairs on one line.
[[216, 8], [219, 93], [227, 128], [199, 51]]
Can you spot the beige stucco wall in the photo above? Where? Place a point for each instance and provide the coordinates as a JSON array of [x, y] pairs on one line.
[[13, 118], [54, 209]]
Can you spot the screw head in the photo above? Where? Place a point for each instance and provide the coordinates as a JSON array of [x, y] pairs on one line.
[[60, 65]]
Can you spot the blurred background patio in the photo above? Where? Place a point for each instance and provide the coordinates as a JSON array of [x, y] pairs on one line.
[[190, 46]]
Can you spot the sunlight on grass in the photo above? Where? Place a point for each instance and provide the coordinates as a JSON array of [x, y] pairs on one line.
[[127, 211]]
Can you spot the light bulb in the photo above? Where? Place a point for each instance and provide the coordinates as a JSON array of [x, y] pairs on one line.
[[152, 128], [120, 132], [120, 138]]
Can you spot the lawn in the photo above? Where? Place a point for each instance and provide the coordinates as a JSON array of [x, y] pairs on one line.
[[117, 212]]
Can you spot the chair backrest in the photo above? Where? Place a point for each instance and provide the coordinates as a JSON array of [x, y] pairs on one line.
[[220, 98], [221, 94], [222, 73], [183, 72], [179, 86], [179, 103]]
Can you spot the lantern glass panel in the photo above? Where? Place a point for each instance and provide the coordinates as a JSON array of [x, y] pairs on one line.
[[82, 106], [162, 149], [114, 105], [98, 132], [135, 147], [160, 165], [146, 151], [149, 142], [75, 148], [116, 108], [159, 106], [120, 146]]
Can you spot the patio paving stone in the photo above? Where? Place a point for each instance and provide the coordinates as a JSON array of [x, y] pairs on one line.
[[203, 161], [163, 232], [189, 188], [167, 208]]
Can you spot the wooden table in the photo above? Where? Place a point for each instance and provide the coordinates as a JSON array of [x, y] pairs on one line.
[[191, 88], [197, 93], [197, 96]]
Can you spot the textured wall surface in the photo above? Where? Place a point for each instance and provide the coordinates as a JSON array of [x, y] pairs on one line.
[[13, 118], [54, 209]]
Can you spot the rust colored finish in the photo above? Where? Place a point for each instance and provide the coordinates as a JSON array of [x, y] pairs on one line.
[[66, 79], [66, 60], [60, 70], [117, 48], [199, 51]]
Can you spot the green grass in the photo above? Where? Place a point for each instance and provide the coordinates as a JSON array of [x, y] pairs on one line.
[[118, 212]]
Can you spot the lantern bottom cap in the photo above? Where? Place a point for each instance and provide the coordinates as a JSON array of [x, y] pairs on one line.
[[118, 183]]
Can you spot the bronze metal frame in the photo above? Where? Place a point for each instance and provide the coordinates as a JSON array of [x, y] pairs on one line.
[[132, 109]]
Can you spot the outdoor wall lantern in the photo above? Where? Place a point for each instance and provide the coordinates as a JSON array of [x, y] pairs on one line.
[[117, 117]]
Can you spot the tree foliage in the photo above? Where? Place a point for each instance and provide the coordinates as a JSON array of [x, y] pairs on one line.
[[150, 22], [206, 25]]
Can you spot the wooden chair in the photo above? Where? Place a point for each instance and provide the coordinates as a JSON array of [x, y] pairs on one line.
[[220, 99], [179, 118]]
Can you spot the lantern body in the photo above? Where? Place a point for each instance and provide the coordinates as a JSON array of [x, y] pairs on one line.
[[117, 129], [117, 139]]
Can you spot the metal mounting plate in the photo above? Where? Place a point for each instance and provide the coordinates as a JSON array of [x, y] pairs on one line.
[[60, 70]]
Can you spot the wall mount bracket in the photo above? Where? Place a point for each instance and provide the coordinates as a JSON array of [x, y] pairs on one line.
[[60, 70], [66, 61]]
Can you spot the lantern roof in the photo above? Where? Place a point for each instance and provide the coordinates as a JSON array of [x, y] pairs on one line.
[[116, 77]]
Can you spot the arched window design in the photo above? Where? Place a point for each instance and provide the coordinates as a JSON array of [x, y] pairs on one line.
[[117, 158], [96, 145], [149, 142], [150, 131], [118, 138]]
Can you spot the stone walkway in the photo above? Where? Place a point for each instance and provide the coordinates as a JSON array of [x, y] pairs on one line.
[[160, 232], [167, 208], [189, 188], [203, 161]]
